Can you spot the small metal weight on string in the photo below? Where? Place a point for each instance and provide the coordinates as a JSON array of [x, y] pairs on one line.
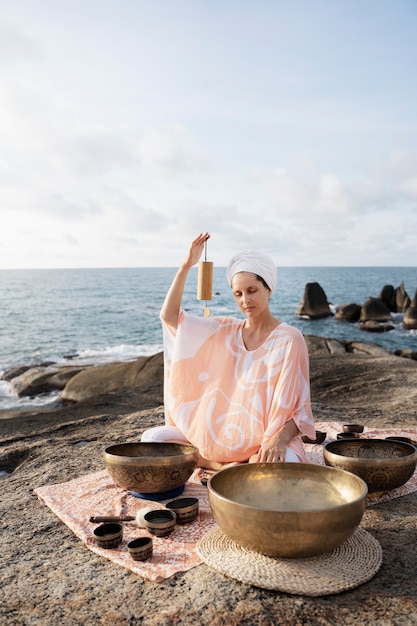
[[205, 280]]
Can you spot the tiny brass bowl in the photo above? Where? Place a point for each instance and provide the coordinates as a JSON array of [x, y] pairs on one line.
[[108, 535], [353, 428], [150, 467], [320, 437], [383, 464], [186, 509], [160, 522], [140, 548], [347, 435], [288, 510]]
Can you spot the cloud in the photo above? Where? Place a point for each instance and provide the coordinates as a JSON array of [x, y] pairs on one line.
[[389, 185], [16, 49], [119, 150]]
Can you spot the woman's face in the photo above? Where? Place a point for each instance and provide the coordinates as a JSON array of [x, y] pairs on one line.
[[250, 294]]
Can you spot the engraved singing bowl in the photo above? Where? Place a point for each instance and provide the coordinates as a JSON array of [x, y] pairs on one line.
[[383, 464], [150, 467], [288, 510]]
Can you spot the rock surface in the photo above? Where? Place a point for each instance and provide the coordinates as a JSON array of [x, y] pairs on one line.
[[49, 577]]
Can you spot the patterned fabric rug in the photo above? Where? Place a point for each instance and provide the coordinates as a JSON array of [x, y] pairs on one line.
[[95, 494]]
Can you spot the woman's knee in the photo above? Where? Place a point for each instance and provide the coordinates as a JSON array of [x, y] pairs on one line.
[[291, 456], [162, 434]]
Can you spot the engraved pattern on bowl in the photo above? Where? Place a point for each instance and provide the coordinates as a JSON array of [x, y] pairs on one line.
[[383, 464], [150, 467]]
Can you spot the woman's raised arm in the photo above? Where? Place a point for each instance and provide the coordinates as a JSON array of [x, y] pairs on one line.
[[172, 303]]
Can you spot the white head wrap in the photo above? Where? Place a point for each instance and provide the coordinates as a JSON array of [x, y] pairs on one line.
[[255, 262]]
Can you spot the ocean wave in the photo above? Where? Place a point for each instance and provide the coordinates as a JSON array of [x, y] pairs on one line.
[[123, 352], [10, 401]]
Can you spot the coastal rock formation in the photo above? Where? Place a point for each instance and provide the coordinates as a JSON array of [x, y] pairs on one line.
[[410, 315], [104, 379], [78, 383], [314, 303], [375, 310], [44, 378], [402, 300], [410, 318], [349, 312], [387, 295], [323, 346], [374, 315], [376, 327], [397, 300]]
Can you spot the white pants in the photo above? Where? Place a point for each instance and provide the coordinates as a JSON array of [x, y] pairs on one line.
[[163, 434]]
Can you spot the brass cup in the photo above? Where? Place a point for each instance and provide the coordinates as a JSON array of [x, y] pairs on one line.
[[186, 509], [353, 428], [160, 522], [108, 535], [141, 548]]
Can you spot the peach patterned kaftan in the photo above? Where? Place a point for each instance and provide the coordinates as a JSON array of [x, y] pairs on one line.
[[227, 400]]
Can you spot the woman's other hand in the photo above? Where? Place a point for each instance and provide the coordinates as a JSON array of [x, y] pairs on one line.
[[272, 453], [274, 450]]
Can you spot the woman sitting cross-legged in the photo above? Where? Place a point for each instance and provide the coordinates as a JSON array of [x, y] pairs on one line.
[[237, 389]]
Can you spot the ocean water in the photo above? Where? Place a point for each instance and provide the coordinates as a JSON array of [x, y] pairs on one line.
[[104, 315]]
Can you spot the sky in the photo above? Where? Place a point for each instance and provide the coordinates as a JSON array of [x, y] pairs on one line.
[[127, 127]]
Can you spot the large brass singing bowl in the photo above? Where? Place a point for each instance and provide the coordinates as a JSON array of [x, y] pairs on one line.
[[289, 510], [150, 467], [383, 464]]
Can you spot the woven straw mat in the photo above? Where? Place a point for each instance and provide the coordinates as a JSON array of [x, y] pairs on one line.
[[351, 564]]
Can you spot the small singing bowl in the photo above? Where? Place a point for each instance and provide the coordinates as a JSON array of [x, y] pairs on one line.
[[347, 435], [186, 509], [140, 548], [160, 522], [320, 437], [108, 535], [353, 428]]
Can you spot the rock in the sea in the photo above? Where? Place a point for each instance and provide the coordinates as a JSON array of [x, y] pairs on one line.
[[375, 317], [349, 312], [410, 318], [314, 304], [387, 295], [402, 300], [375, 310], [410, 314], [373, 326]]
